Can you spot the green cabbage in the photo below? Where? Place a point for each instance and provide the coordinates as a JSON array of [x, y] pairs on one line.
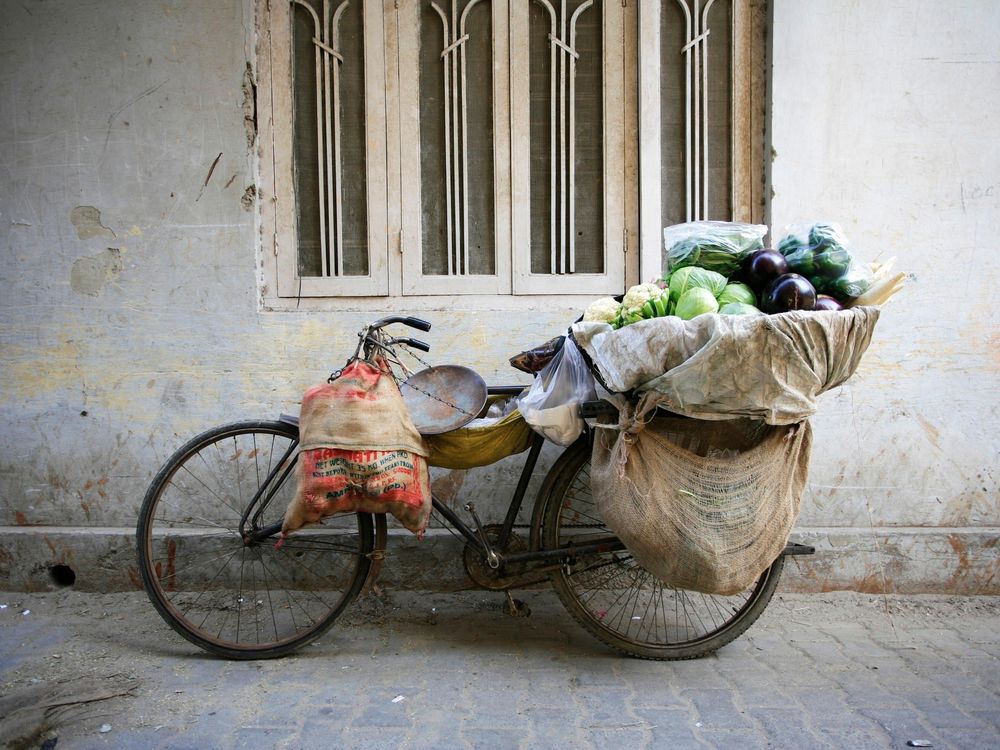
[[738, 308], [691, 277], [736, 292], [695, 302]]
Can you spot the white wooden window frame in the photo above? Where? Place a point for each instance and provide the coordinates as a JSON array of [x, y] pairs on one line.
[[633, 237], [612, 280], [415, 282], [279, 59]]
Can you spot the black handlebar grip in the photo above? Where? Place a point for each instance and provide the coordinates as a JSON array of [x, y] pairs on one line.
[[417, 344], [420, 325]]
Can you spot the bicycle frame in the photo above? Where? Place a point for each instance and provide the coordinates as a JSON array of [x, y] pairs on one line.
[[568, 552], [279, 475]]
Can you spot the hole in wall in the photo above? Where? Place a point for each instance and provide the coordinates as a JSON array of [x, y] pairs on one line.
[[62, 575]]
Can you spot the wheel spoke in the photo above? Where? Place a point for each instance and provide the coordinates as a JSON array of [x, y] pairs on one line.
[[256, 615], [217, 574], [621, 602], [201, 564], [218, 497], [314, 596], [243, 600], [270, 602], [198, 479], [193, 515]]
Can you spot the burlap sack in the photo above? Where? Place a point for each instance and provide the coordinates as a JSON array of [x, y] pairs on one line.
[[362, 409], [334, 481], [359, 451], [703, 506], [770, 367]]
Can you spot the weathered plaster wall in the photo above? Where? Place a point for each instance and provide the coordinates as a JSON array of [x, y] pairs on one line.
[[885, 119], [129, 300], [130, 306]]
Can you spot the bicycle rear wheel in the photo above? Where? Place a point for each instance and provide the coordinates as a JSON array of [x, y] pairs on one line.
[[620, 602], [231, 593]]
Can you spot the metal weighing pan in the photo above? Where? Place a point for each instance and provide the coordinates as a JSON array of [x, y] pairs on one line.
[[443, 398]]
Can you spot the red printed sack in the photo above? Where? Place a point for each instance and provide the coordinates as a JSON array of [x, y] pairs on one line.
[[359, 452]]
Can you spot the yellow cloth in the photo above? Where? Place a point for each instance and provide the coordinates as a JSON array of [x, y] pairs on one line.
[[469, 447]]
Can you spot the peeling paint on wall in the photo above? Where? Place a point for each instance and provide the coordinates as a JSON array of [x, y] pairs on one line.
[[250, 106], [90, 273], [447, 486], [87, 221], [249, 198]]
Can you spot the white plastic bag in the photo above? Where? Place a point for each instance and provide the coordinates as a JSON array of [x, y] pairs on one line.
[[551, 404]]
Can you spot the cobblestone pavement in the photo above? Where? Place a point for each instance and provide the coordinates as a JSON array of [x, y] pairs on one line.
[[452, 671]]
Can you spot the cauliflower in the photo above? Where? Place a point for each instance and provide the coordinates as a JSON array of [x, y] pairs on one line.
[[603, 310], [639, 295]]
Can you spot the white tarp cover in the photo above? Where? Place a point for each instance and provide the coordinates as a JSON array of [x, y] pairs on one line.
[[768, 367]]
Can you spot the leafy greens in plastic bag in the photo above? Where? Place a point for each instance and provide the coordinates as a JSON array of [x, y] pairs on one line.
[[718, 246], [823, 255]]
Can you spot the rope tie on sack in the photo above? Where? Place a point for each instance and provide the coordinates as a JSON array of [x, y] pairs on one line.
[[631, 421]]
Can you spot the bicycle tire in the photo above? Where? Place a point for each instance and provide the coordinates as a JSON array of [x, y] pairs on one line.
[[623, 605], [188, 542]]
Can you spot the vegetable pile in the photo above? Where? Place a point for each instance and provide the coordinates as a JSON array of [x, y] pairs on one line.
[[718, 267]]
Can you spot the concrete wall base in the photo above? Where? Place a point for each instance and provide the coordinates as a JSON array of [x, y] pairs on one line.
[[899, 560]]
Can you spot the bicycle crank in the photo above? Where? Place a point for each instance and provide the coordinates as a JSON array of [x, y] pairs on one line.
[[512, 576]]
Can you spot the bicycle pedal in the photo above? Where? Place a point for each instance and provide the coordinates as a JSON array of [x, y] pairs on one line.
[[515, 607]]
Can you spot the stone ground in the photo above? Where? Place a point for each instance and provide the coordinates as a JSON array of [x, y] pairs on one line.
[[452, 671]]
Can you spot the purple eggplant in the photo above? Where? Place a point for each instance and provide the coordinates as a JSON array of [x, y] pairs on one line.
[[826, 302], [762, 267], [788, 292]]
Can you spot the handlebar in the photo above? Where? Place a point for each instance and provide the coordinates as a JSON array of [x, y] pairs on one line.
[[372, 338], [418, 323]]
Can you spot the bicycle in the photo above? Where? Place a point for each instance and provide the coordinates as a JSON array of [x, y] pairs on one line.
[[209, 562]]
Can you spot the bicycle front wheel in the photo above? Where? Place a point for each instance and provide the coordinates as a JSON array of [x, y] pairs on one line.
[[620, 602], [228, 589]]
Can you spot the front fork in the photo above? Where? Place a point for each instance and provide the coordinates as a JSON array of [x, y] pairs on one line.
[[377, 555]]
